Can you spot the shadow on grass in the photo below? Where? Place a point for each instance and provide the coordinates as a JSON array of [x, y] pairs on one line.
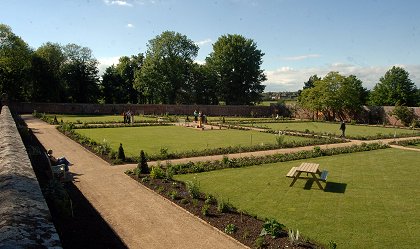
[[331, 187]]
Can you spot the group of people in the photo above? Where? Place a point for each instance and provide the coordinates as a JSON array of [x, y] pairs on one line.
[[199, 119], [128, 117]]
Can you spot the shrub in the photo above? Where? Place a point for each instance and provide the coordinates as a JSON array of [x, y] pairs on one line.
[[121, 154], [184, 201], [272, 227], [230, 228], [142, 165], [332, 244], [104, 148], [193, 188], [224, 207], [173, 194], [205, 210], [260, 243], [157, 173], [405, 114]]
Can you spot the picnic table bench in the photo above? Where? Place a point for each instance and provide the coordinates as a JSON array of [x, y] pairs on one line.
[[311, 169]]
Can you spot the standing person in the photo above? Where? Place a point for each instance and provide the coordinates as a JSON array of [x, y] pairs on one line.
[[195, 116], [200, 116], [343, 128]]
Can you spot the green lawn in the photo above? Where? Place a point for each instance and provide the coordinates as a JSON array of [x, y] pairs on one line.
[[372, 199], [332, 128], [96, 118], [176, 138]]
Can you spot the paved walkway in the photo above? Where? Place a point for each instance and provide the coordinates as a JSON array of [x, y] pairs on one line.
[[142, 218]]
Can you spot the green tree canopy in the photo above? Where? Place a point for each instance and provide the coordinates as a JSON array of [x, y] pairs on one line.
[[15, 65], [80, 74], [46, 66], [394, 88], [334, 96], [166, 69], [236, 62]]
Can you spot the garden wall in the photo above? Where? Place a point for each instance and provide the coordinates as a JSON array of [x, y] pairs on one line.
[[25, 218], [209, 110]]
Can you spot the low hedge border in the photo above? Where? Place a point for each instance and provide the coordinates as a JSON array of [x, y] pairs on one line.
[[407, 142], [197, 167]]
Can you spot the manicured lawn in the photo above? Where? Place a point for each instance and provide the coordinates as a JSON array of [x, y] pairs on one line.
[[96, 118], [176, 138], [332, 128], [372, 199]]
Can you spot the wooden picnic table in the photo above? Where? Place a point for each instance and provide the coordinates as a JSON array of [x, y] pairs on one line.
[[311, 169]]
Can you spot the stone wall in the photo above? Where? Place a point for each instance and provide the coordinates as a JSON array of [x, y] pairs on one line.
[[25, 219], [209, 110]]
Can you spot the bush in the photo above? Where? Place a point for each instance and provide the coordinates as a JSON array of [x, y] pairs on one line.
[[157, 173], [205, 210], [230, 228], [273, 228], [224, 207], [121, 154], [404, 114], [193, 188], [142, 165]]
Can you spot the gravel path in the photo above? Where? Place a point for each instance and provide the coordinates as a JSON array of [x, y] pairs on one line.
[[142, 218]]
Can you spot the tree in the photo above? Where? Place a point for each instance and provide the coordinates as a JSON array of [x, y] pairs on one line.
[[166, 68], [127, 69], [15, 65], [80, 74], [334, 96], [111, 86], [46, 66], [203, 86], [236, 62], [394, 88], [311, 81]]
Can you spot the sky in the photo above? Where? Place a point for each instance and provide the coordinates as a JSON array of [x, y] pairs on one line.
[[299, 38]]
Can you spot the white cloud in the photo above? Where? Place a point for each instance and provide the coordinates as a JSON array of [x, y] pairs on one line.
[[203, 42], [291, 79], [118, 2], [200, 62], [106, 62], [301, 57], [130, 25]]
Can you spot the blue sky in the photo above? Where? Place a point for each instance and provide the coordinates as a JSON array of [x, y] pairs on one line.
[[299, 37]]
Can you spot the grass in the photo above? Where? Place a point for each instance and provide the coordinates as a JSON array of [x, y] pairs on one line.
[[96, 118], [333, 128], [371, 201], [176, 138]]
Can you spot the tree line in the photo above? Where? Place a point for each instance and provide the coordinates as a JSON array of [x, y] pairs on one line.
[[166, 73], [336, 96]]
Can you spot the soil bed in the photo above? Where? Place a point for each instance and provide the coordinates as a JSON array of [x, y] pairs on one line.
[[248, 228]]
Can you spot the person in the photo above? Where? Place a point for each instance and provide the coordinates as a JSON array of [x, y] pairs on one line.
[[343, 128], [200, 119], [58, 161], [195, 116]]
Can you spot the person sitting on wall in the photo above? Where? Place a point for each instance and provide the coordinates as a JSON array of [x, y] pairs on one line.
[[58, 161]]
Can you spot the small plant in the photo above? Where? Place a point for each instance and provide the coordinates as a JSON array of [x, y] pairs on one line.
[[332, 244], [223, 206], [160, 189], [104, 148], [184, 201], [174, 194], [193, 188], [210, 199], [230, 228], [121, 154], [164, 152], [246, 234], [205, 210], [260, 243], [293, 237], [145, 179], [279, 139], [272, 227], [157, 173], [194, 202]]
